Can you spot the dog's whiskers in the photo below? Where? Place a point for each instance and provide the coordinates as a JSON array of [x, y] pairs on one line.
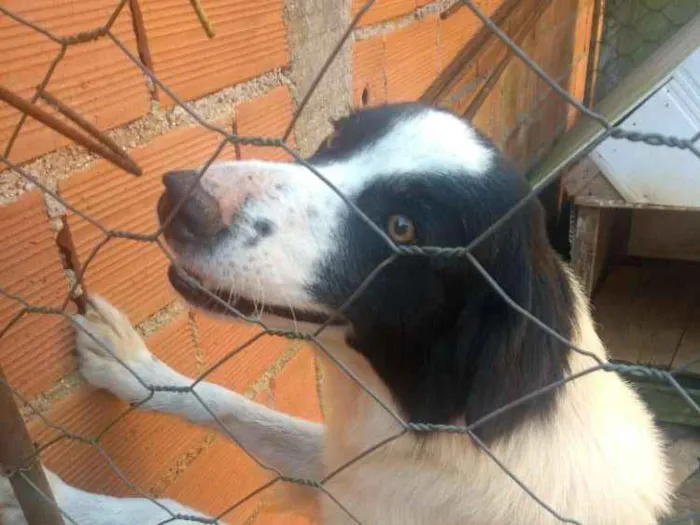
[[258, 299]]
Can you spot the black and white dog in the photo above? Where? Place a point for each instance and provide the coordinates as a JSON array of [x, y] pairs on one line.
[[429, 337]]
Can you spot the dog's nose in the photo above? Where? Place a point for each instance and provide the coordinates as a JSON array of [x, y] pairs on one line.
[[199, 215]]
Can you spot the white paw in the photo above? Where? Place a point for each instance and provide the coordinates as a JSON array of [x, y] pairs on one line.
[[112, 355]]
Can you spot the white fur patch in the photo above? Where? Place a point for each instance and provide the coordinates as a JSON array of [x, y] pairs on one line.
[[431, 142], [306, 213]]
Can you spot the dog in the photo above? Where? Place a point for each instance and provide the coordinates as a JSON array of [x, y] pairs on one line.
[[428, 340]]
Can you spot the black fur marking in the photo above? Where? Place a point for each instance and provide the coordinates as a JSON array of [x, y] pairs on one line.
[[445, 344], [263, 227], [362, 129]]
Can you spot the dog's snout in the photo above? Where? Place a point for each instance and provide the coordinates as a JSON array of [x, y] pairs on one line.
[[198, 216]]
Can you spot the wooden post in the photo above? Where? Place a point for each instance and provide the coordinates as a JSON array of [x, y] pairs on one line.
[[17, 453]]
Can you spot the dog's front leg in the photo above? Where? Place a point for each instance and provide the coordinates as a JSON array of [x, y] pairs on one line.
[[87, 508], [290, 445]]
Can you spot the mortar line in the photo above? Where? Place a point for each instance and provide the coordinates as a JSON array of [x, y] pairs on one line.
[[158, 121]]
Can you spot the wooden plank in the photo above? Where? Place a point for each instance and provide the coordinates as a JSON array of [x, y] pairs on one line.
[[688, 355], [585, 246], [523, 29], [622, 100], [667, 404], [595, 47], [17, 455], [665, 234], [464, 87], [465, 58], [576, 181], [644, 310], [587, 185], [599, 238], [602, 202]]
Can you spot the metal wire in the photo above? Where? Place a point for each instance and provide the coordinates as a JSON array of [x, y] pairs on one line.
[[632, 30], [466, 252]]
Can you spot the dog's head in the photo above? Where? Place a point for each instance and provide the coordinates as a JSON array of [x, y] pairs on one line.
[[276, 239]]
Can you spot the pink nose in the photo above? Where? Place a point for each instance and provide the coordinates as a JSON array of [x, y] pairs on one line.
[[199, 215]]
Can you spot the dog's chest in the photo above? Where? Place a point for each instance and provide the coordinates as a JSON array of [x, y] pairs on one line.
[[355, 421]]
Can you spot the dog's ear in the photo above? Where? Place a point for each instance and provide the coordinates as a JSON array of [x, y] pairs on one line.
[[501, 355], [487, 354]]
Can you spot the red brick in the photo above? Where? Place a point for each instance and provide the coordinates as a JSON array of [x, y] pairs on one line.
[[383, 10], [36, 351], [143, 445], [149, 447], [219, 339], [250, 39], [129, 273], [95, 78], [280, 519], [268, 117], [295, 389], [369, 62], [174, 345], [232, 471], [412, 60], [221, 476]]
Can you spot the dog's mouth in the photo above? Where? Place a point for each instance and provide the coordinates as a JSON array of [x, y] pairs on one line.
[[193, 290]]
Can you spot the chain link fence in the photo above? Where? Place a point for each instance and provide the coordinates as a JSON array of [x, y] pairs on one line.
[[20, 461], [632, 30]]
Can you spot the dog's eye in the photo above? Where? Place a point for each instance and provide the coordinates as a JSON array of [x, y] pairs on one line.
[[401, 229]]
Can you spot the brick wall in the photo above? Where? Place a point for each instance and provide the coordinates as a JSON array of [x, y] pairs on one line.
[[245, 76]]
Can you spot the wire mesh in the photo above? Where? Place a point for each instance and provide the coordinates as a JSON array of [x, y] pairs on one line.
[[632, 30], [616, 60]]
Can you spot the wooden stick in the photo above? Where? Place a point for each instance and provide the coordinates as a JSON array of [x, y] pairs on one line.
[[203, 18], [525, 29], [119, 160], [141, 36], [447, 13], [39, 508], [88, 126], [452, 73]]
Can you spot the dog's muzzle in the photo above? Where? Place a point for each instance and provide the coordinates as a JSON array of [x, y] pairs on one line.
[[197, 217]]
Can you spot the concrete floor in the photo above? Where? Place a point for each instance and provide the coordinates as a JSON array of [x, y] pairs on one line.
[[684, 453]]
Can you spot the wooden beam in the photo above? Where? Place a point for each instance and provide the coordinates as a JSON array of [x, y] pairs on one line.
[[466, 56], [533, 16], [594, 52]]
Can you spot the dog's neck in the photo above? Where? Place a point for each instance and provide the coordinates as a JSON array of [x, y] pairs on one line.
[[358, 408]]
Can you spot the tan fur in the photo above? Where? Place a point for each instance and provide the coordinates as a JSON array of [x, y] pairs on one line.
[[600, 461]]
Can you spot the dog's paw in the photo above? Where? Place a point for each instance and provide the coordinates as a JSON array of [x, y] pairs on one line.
[[112, 354]]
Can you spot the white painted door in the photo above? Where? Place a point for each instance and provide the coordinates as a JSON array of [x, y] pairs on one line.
[[659, 174]]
